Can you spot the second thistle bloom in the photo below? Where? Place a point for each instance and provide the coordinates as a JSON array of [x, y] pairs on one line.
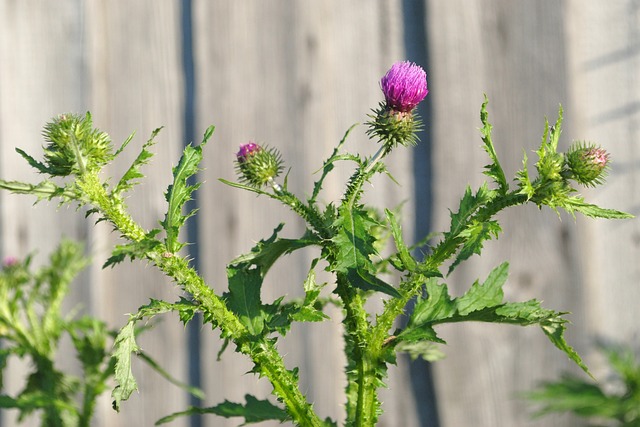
[[588, 163], [404, 86], [257, 165]]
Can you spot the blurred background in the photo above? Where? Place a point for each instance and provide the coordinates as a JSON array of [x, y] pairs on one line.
[[296, 75]]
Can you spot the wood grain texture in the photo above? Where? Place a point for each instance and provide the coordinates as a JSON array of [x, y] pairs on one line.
[[525, 56]]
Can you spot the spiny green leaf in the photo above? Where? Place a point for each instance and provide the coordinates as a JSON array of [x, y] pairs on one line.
[[133, 250], [133, 173], [43, 190], [483, 303], [408, 262], [124, 345], [267, 252], [474, 236], [469, 205], [493, 170], [488, 294], [329, 165], [577, 204], [523, 179], [243, 297], [254, 411], [180, 192], [355, 244]]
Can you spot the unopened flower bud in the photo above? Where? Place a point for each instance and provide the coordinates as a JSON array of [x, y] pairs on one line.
[[588, 163], [394, 122], [75, 146], [258, 165]]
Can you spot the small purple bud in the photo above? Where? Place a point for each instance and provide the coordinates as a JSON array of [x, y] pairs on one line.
[[588, 163], [404, 86], [247, 150], [256, 165]]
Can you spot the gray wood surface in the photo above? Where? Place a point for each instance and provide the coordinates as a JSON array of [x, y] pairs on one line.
[[296, 75]]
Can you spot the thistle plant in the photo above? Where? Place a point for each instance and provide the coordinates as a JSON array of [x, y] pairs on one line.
[[347, 238], [32, 325]]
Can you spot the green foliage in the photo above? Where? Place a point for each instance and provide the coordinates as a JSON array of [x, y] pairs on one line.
[[180, 192], [31, 327], [616, 401], [125, 345], [349, 236], [355, 248], [254, 411], [493, 170], [483, 303]]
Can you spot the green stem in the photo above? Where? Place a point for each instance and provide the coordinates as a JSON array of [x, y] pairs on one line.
[[445, 250], [260, 350]]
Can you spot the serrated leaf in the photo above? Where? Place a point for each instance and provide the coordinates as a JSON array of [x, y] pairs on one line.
[[408, 262], [307, 311], [469, 205], [577, 204], [474, 236], [133, 173], [483, 303], [179, 192], [493, 170], [355, 244], [124, 345], [526, 187], [41, 167], [132, 250], [243, 297], [267, 252], [254, 411], [329, 165], [45, 190], [488, 294]]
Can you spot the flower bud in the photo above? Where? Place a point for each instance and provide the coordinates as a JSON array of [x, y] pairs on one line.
[[256, 165], [75, 146], [394, 121], [588, 163]]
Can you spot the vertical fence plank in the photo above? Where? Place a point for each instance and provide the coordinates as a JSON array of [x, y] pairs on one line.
[[122, 62], [294, 76], [517, 54]]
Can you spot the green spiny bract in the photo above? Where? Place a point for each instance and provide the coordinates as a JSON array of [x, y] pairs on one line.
[[587, 163], [256, 165], [394, 128], [75, 147]]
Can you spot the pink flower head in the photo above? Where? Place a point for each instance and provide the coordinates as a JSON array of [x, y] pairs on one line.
[[247, 150], [404, 86], [9, 261]]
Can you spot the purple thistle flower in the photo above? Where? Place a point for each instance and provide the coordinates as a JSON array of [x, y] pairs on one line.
[[247, 150], [404, 86]]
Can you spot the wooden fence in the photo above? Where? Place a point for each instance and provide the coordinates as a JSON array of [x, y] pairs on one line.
[[296, 75]]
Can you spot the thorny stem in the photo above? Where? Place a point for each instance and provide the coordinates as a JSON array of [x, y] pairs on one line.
[[261, 351]]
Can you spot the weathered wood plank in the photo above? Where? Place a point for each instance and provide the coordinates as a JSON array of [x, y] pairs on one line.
[[122, 62], [294, 76], [516, 52]]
